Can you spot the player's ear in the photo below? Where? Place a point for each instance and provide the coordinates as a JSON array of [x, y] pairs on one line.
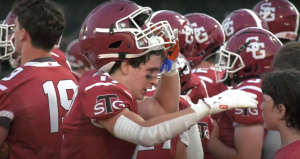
[[281, 111], [125, 67], [23, 34]]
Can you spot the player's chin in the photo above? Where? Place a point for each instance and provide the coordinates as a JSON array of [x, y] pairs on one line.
[[140, 97], [141, 94]]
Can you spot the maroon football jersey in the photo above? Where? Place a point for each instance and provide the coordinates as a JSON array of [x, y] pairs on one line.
[[39, 94], [249, 116], [60, 58], [166, 150], [241, 116], [209, 77], [98, 97], [76, 75], [291, 151]]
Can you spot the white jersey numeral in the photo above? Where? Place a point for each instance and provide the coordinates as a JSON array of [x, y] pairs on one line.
[[49, 90], [166, 146]]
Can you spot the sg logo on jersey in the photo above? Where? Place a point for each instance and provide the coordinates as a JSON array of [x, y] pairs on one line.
[[228, 26], [257, 48], [200, 33], [267, 12], [188, 31]]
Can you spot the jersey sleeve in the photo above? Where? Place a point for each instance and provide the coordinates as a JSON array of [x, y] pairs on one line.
[[183, 104], [248, 116], [76, 77], [104, 100], [6, 113]]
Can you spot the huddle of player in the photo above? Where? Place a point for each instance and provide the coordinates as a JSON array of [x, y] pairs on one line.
[[141, 84]]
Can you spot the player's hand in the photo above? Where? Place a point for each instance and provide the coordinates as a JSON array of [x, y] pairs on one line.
[[230, 99], [4, 153], [170, 65]]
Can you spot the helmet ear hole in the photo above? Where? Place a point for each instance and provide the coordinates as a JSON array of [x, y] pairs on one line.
[[116, 44], [121, 9], [247, 69], [140, 20]]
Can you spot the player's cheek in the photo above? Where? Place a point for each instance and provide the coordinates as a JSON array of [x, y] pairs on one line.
[[265, 112]]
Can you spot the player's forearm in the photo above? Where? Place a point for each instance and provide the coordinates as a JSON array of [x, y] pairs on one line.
[[220, 150], [163, 118], [159, 129], [168, 92]]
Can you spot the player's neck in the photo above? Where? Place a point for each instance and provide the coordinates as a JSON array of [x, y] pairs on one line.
[[118, 76], [80, 72], [30, 53], [205, 64], [288, 135]]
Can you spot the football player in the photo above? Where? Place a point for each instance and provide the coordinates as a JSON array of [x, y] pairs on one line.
[[194, 87], [105, 120], [209, 37], [15, 59], [36, 96], [281, 110], [248, 54], [282, 18]]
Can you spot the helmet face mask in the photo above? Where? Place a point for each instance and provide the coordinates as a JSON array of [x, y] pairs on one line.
[[7, 47], [227, 60]]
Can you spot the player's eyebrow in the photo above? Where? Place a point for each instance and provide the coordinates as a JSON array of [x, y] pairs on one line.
[[153, 69]]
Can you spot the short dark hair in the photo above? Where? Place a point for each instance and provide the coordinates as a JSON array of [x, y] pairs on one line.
[[42, 19], [136, 62], [283, 87], [287, 57]]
